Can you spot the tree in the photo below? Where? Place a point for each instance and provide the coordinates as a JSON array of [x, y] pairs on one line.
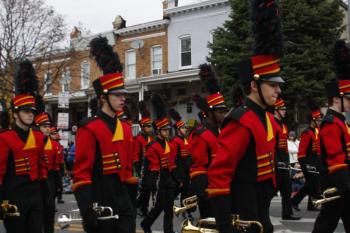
[[28, 29], [310, 28]]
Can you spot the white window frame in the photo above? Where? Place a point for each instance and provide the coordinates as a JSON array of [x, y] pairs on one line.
[[84, 85], [46, 91], [180, 52], [127, 77], [64, 80], [161, 66]]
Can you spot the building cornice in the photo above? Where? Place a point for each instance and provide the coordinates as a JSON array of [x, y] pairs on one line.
[[145, 27], [195, 7]]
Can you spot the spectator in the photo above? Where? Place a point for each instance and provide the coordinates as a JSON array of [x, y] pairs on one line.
[[293, 145]]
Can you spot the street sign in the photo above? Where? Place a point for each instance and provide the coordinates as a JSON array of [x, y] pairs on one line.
[[63, 120], [63, 100]]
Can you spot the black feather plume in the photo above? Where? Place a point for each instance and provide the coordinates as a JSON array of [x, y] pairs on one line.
[[237, 96], [201, 103], [4, 115], [105, 57], [40, 105], [143, 109], [311, 104], [341, 57], [266, 17], [94, 106], [158, 106], [127, 112], [174, 115], [209, 79], [25, 79]]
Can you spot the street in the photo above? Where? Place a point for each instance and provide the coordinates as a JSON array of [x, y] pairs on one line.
[[281, 226]]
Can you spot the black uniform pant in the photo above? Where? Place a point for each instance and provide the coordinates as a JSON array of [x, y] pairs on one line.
[[328, 218], [30, 219], [145, 193], [199, 184], [49, 203], [132, 190], [311, 188], [59, 182], [164, 202], [184, 190], [284, 185], [252, 202], [115, 195]]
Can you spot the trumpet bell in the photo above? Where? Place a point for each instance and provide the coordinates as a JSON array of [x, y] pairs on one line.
[[63, 221]]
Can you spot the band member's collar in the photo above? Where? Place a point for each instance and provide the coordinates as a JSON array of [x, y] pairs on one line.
[[336, 114], [256, 108]]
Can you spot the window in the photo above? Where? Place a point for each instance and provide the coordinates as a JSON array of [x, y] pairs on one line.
[[85, 74], [66, 78], [130, 59], [48, 82], [185, 52], [157, 60]]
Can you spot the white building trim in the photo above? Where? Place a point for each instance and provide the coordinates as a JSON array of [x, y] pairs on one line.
[[144, 37], [145, 27], [195, 7]]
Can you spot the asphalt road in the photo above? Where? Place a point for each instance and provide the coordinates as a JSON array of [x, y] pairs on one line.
[[280, 226]]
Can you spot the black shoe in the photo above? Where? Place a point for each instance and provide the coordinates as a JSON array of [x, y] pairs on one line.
[[146, 229], [60, 201], [296, 207], [291, 217]]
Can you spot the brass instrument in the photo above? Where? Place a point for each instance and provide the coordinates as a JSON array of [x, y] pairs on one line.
[[208, 225], [243, 225], [104, 213], [187, 203], [9, 210], [327, 196]]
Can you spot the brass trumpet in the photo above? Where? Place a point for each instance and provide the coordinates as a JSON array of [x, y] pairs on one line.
[[202, 226], [187, 203], [104, 213], [9, 210], [327, 196]]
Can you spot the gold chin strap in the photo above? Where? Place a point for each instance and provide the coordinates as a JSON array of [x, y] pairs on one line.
[[270, 135], [149, 139], [118, 133], [30, 144]]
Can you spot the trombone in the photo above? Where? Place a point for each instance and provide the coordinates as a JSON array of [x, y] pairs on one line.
[[104, 213], [203, 225], [187, 203], [9, 210], [327, 196]]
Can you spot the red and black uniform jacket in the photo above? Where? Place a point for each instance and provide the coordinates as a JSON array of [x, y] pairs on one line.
[[161, 162], [245, 156], [335, 151], [52, 157], [282, 155], [204, 145], [140, 144], [101, 166], [21, 170], [182, 156], [309, 149]]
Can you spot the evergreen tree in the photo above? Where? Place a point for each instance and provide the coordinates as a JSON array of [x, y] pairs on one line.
[[310, 29]]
